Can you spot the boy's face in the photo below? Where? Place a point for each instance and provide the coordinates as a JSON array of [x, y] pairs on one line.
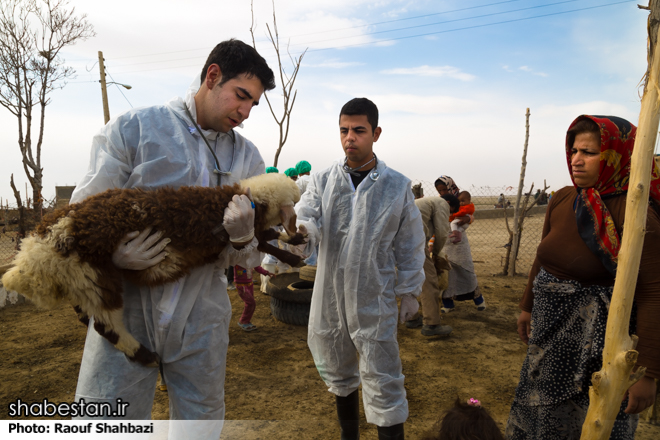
[[465, 200], [357, 139]]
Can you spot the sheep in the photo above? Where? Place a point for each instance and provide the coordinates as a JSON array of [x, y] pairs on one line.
[[70, 256]]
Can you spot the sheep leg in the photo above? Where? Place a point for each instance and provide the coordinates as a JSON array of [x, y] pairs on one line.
[[82, 316], [268, 235], [282, 255], [142, 355], [272, 234], [118, 336], [108, 312], [293, 240]]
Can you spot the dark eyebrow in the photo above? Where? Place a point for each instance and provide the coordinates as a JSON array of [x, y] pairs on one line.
[[247, 94], [359, 127]]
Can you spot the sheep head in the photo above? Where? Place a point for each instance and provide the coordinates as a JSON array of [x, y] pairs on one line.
[[279, 193]]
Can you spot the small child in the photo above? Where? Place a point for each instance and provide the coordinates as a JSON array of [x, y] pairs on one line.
[[466, 209], [465, 421], [245, 287]]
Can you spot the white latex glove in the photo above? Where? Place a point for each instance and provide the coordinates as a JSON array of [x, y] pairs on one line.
[[138, 251], [409, 307], [239, 219]]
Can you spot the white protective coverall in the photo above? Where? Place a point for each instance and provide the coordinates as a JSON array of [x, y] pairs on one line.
[[302, 182], [185, 322], [371, 251]]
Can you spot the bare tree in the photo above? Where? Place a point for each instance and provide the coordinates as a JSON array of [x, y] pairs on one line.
[[287, 81], [32, 35], [514, 248]]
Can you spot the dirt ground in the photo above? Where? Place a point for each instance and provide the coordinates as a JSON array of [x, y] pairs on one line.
[[273, 390]]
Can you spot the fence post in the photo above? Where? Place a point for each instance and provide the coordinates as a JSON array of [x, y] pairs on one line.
[[516, 215]]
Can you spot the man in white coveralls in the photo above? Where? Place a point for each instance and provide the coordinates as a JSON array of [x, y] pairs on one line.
[[371, 252], [185, 322]]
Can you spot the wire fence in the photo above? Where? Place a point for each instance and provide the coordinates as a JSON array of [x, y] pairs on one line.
[[488, 235], [8, 233], [10, 230]]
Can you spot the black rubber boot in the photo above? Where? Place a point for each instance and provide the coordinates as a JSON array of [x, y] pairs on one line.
[[348, 411], [391, 432]]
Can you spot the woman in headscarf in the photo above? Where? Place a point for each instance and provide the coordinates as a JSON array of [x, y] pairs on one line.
[[564, 308], [462, 277], [445, 185]]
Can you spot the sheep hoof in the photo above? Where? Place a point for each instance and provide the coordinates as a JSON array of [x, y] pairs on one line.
[[146, 357], [296, 239]]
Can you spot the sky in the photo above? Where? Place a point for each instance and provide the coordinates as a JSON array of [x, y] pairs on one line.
[[452, 80]]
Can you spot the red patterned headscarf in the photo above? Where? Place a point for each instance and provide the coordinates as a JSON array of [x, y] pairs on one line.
[[594, 221]]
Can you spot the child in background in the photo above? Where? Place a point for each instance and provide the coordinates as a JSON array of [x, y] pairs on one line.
[[467, 207], [245, 287], [465, 421], [458, 225]]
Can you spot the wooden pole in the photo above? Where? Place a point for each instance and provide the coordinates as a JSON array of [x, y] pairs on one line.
[[516, 214], [619, 356], [104, 90]]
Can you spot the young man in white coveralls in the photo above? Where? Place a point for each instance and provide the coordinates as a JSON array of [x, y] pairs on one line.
[[371, 253], [185, 322]]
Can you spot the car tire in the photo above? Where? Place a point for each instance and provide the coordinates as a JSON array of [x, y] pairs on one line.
[[308, 273], [288, 287], [289, 312]]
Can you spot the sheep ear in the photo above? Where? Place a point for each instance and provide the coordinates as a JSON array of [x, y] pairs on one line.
[[288, 218]]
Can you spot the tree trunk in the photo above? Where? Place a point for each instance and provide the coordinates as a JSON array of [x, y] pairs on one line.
[[21, 211], [37, 191]]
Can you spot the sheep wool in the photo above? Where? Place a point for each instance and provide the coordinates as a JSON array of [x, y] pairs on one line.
[[70, 255]]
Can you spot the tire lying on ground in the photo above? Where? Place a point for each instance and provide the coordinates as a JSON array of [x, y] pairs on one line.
[[308, 273], [290, 298]]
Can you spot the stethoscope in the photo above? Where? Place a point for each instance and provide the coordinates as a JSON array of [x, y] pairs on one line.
[[217, 171], [374, 175]]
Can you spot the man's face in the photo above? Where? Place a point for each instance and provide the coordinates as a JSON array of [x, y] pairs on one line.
[[357, 139], [226, 106]]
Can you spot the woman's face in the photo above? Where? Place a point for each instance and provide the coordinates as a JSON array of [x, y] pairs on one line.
[[585, 159], [442, 189]]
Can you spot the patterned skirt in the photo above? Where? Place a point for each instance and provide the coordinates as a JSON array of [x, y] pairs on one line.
[[565, 349]]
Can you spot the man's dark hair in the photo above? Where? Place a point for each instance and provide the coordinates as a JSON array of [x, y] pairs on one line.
[[454, 204], [235, 58], [361, 106]]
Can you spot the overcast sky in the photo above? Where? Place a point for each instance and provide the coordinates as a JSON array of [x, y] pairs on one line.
[[452, 79]]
